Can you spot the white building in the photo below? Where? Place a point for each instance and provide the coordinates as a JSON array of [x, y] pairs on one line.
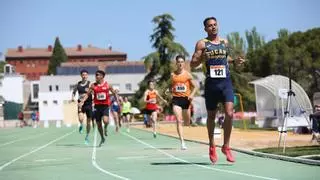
[[54, 91], [11, 89]]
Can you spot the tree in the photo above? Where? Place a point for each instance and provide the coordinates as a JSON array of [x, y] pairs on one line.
[[160, 61], [299, 50], [254, 39], [283, 33], [255, 42], [240, 80], [2, 63], [58, 56]]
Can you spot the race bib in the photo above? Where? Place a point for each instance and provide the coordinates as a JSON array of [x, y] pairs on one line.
[[101, 96], [180, 88], [153, 101], [218, 71]]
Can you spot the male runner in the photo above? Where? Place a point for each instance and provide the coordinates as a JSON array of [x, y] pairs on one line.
[[82, 88], [150, 97], [182, 96], [100, 89], [212, 52]]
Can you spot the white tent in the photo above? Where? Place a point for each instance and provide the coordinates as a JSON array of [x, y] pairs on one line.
[[271, 99]]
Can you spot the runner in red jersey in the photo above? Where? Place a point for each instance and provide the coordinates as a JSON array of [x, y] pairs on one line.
[[150, 97], [100, 90]]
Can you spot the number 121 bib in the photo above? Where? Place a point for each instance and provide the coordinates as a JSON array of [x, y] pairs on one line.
[[218, 71]]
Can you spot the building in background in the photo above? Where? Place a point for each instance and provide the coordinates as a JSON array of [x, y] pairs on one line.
[[117, 67], [34, 62], [12, 95], [55, 91]]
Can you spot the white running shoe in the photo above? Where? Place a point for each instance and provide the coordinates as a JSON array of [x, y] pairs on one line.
[[183, 146]]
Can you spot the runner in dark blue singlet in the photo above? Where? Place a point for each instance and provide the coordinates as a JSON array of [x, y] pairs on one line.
[[212, 53]]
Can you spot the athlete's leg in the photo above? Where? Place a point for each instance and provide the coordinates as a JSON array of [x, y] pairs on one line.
[[227, 124], [88, 125], [116, 119], [210, 126], [128, 117], [177, 110], [80, 117], [89, 115], [89, 119], [153, 118], [98, 116], [105, 118], [106, 123], [227, 127], [186, 117]]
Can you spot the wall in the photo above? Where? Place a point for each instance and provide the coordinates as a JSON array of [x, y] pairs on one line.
[[11, 88], [64, 83], [50, 110]]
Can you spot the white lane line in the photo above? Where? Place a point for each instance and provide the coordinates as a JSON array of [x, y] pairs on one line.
[[133, 157], [95, 164], [23, 139], [50, 160], [202, 166], [35, 150]]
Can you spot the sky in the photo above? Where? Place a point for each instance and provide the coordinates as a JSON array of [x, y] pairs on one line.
[[127, 24]]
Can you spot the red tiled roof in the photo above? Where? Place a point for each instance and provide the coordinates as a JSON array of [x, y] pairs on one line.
[[44, 52], [104, 63]]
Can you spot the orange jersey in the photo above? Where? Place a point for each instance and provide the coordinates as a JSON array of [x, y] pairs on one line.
[[152, 96], [181, 84]]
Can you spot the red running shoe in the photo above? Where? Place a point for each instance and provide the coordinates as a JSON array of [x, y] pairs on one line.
[[227, 151], [213, 154]]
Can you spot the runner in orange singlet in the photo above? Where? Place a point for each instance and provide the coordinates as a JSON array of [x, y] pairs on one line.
[[150, 97], [182, 84]]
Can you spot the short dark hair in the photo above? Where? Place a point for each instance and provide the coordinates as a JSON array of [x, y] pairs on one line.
[[207, 19], [101, 72], [151, 80], [84, 71], [180, 56]]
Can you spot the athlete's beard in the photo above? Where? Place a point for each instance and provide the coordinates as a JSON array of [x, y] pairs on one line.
[[99, 81]]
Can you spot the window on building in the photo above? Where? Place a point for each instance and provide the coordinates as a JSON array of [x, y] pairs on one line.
[[55, 102], [50, 88], [7, 69], [128, 87], [57, 88], [45, 103], [35, 88]]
